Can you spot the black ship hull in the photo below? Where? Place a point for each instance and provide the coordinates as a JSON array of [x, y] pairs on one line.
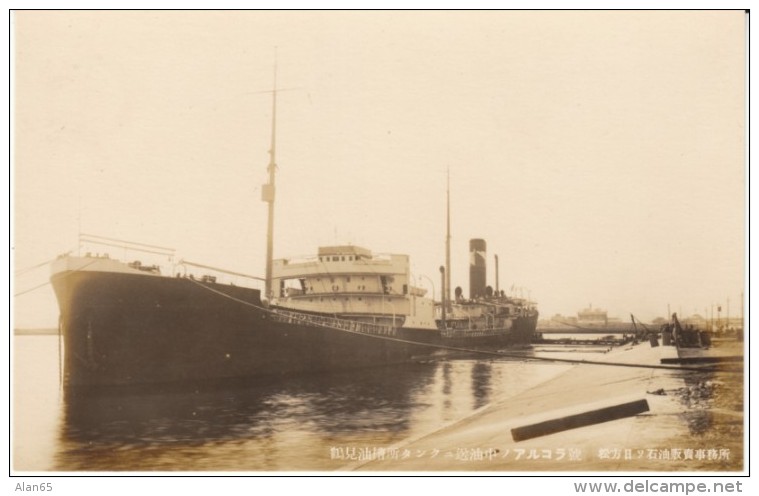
[[123, 328], [522, 332]]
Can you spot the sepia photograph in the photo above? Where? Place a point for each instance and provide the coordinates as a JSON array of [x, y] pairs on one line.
[[507, 242]]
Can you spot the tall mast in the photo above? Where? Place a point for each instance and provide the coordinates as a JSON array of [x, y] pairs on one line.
[[267, 193], [447, 292], [496, 276]]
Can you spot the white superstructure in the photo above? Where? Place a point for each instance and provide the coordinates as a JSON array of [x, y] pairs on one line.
[[352, 282]]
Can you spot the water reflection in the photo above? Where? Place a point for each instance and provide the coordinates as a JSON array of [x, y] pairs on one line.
[[481, 372], [372, 403], [276, 424]]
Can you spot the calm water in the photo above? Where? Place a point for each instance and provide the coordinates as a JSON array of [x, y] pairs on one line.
[[271, 425]]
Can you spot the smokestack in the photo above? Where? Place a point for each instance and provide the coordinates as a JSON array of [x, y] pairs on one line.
[[477, 268]]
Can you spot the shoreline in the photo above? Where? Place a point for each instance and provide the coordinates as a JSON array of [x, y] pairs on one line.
[[43, 331], [694, 424]]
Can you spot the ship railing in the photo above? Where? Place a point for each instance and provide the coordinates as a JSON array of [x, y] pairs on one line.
[[464, 333], [127, 246], [298, 318], [219, 275]]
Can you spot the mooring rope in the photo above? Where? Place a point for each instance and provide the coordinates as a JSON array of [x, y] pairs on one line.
[[48, 282], [24, 270], [475, 351], [32, 289]]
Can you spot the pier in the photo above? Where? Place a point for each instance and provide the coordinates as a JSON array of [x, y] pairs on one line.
[[688, 426]]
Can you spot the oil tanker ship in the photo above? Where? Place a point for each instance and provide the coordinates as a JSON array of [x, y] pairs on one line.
[[129, 323]]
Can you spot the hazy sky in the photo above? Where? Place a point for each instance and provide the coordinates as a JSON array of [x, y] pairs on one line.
[[600, 154]]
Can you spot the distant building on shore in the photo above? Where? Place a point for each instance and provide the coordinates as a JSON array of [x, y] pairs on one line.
[[717, 323], [592, 317], [587, 319]]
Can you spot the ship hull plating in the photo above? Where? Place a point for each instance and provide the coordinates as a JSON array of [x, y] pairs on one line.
[[522, 332], [136, 329]]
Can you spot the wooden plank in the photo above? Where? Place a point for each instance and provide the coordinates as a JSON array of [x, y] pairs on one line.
[[580, 420], [703, 359]]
